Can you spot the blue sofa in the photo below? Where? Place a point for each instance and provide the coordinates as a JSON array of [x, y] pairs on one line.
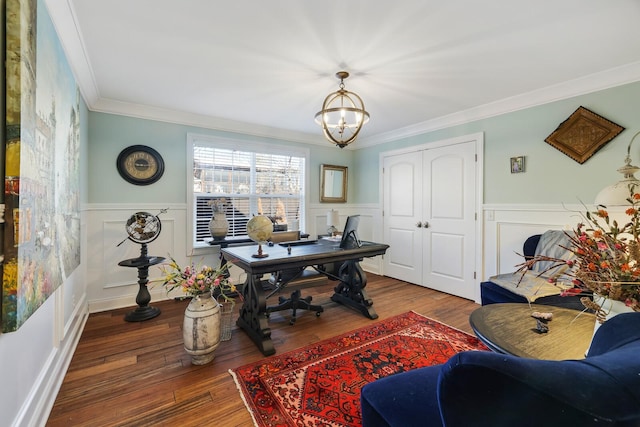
[[482, 388]]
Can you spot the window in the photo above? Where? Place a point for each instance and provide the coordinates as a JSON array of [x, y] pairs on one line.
[[250, 178]]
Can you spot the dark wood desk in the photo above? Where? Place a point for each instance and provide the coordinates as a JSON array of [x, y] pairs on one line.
[[350, 290], [510, 329]]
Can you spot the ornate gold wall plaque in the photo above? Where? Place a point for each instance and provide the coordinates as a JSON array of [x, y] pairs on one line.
[[582, 134]]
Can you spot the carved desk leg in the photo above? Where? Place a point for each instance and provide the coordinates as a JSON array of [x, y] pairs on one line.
[[253, 317], [350, 291]]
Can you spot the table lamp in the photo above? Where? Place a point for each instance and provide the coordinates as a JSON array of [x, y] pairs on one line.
[[618, 193], [333, 218]]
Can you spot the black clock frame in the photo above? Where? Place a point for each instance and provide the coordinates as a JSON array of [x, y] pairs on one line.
[[122, 157]]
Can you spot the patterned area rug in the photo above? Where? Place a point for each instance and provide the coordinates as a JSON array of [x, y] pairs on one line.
[[319, 385]]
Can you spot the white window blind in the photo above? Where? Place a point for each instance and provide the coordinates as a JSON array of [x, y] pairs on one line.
[[250, 182]]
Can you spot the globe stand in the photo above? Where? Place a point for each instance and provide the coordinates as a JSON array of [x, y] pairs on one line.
[[142, 263], [142, 228], [260, 254], [260, 229]]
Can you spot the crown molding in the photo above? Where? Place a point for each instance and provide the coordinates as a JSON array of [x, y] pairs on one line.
[[206, 122], [65, 22], [592, 83], [618, 76]]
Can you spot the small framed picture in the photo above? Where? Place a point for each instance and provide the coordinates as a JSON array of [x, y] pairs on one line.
[[517, 164]]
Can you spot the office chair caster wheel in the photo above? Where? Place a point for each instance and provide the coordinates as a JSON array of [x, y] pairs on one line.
[[292, 322]]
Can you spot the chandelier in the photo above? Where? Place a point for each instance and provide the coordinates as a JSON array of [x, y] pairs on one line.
[[342, 115]]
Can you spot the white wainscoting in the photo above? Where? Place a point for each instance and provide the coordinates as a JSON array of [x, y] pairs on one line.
[[111, 286], [508, 226]]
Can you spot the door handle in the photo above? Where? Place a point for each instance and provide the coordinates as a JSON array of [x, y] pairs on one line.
[[426, 224], [419, 224]]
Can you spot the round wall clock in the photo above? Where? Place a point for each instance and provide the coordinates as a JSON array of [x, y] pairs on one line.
[[140, 165]]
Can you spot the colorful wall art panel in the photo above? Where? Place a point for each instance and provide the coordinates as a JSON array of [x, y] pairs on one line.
[[41, 233]]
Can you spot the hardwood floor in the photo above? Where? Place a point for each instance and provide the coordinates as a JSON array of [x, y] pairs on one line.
[[138, 374]]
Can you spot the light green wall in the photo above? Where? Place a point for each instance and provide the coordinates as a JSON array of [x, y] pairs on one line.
[[551, 176], [109, 134], [84, 152]]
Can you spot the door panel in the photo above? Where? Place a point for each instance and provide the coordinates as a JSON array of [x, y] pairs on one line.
[[447, 256], [403, 176], [435, 188], [401, 212], [400, 238], [447, 187], [449, 206]]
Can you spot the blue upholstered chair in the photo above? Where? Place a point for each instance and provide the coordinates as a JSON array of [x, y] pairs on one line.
[[482, 388]]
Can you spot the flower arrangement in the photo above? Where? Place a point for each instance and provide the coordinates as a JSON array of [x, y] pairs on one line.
[[606, 259], [197, 280], [218, 205]]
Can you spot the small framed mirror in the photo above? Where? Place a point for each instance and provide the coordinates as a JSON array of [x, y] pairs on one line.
[[333, 184]]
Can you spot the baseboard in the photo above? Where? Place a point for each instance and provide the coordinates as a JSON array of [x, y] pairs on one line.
[[372, 265], [97, 306], [37, 407]]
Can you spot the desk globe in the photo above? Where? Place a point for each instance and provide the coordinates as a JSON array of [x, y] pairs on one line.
[[260, 229], [143, 227]]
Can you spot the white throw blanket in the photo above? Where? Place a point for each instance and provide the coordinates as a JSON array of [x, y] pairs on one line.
[[531, 287], [535, 285]]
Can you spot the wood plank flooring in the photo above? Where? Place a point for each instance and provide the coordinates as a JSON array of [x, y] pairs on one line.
[[138, 374]]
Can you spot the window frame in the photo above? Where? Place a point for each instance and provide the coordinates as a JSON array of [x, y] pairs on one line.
[[194, 247]]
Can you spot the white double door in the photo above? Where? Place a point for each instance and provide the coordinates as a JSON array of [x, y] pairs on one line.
[[429, 217]]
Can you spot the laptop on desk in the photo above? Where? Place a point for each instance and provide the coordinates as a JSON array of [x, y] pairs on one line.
[[350, 234]]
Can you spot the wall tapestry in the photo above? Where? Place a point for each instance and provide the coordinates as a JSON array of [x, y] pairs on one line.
[[42, 223], [582, 134]]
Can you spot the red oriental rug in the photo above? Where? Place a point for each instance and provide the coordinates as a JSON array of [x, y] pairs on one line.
[[319, 385]]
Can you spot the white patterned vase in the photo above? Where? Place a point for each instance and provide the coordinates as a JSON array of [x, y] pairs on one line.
[[201, 329], [219, 226]]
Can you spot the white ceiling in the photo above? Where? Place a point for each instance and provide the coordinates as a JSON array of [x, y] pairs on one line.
[[264, 67]]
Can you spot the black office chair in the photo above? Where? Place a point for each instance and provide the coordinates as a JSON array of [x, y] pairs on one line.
[[293, 278]]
